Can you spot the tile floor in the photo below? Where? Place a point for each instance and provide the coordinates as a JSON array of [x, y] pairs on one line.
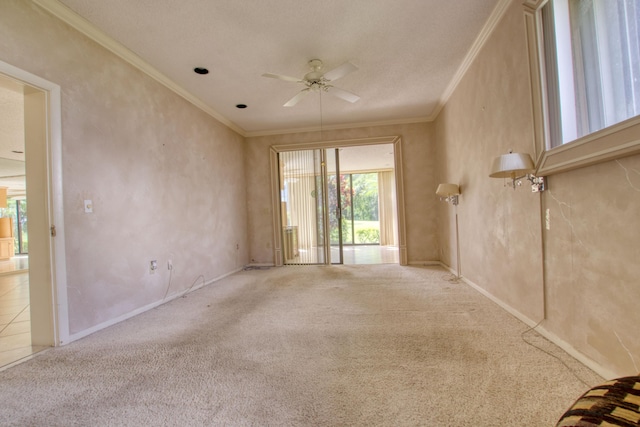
[[351, 254], [374, 254], [15, 324]]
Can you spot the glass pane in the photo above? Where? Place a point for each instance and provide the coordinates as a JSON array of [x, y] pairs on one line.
[[587, 71], [365, 208], [552, 50], [333, 206], [347, 211], [11, 212], [606, 45], [592, 65], [319, 195], [301, 195], [24, 234], [320, 234]]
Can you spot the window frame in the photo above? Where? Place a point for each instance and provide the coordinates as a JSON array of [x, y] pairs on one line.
[[613, 142]]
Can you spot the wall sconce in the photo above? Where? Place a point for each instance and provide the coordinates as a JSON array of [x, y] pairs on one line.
[[515, 166], [449, 193]]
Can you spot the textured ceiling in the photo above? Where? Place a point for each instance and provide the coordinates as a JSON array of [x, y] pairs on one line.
[[407, 51]]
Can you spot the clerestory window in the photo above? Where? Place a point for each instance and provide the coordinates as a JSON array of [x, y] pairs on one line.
[[588, 57], [592, 56]]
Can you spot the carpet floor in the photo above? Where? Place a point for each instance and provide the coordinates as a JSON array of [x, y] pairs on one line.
[[380, 345]]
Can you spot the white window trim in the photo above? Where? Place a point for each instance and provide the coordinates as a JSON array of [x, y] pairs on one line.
[[613, 142]]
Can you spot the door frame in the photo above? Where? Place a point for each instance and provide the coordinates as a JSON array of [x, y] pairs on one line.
[[49, 305], [275, 186]]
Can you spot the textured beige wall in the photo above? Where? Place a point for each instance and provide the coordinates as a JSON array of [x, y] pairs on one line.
[[167, 181], [488, 115], [589, 288], [419, 186], [592, 269]]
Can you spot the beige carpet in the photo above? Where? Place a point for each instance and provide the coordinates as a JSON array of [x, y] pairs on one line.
[[304, 346]]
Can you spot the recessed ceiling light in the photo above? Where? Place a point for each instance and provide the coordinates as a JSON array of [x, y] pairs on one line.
[[200, 70], [241, 106]]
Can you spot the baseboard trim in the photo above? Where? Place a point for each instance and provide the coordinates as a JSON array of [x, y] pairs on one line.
[[116, 320], [605, 373], [258, 265], [568, 348], [424, 263]]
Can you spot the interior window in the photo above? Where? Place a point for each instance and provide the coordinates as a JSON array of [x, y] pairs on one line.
[[592, 65]]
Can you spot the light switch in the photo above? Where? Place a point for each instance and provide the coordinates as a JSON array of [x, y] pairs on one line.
[[88, 206]]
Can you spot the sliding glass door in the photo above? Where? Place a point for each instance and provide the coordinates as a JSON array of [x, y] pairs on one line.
[[333, 217]]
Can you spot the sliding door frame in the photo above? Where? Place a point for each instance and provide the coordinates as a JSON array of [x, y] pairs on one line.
[[275, 186], [338, 213]]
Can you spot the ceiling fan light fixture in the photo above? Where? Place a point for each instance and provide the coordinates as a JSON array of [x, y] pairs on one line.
[[317, 81]]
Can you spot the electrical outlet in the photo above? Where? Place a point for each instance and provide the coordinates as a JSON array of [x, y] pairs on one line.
[[169, 265], [153, 266]]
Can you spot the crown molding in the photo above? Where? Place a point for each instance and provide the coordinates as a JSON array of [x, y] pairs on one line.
[[337, 127], [80, 24], [497, 14]]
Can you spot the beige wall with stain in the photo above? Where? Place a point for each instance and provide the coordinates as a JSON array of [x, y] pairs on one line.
[[418, 164], [166, 180], [584, 283]]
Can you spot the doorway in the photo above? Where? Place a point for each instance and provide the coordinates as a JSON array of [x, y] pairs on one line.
[[15, 316], [338, 203], [33, 311], [362, 205]]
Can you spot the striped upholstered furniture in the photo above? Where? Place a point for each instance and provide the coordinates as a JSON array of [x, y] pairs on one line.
[[612, 404]]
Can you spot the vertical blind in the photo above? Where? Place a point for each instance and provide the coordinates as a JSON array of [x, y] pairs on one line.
[[300, 193]]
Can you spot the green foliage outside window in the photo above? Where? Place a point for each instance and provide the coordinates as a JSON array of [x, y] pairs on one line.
[[359, 207]]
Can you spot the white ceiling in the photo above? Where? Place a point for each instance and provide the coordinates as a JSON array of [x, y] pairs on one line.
[[409, 53]]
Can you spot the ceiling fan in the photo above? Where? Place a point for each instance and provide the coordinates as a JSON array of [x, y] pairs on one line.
[[317, 80]]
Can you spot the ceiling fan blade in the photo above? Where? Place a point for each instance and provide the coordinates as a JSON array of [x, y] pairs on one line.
[[293, 101], [343, 94], [285, 78], [341, 71]]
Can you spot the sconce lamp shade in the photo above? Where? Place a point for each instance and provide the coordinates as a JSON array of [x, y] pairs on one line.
[[512, 165], [447, 190]]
